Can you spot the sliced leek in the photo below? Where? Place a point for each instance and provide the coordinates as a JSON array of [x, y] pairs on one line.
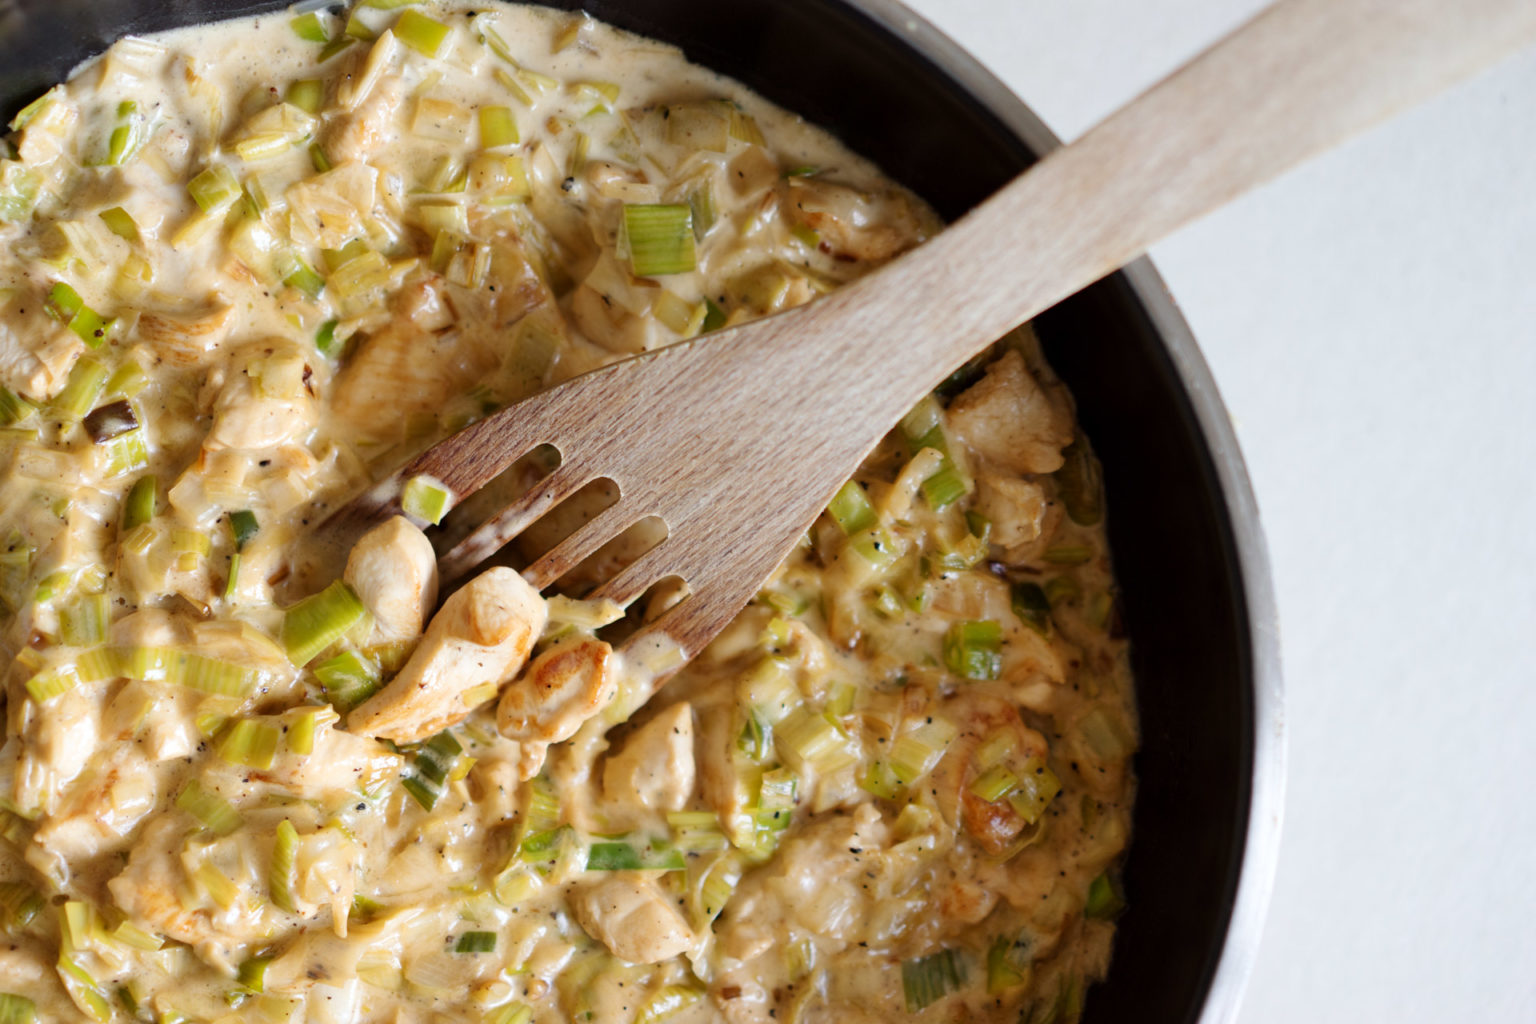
[[65, 305], [851, 509], [659, 239], [282, 876], [426, 499], [316, 622], [421, 33], [498, 127], [925, 980], [973, 649], [250, 742], [475, 942], [349, 678], [212, 811]]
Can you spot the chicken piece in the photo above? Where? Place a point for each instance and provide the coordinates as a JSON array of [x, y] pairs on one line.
[[819, 876], [494, 783], [996, 824], [243, 644], [1015, 508], [852, 224], [186, 339], [324, 876], [329, 210], [566, 685], [36, 351], [46, 135], [149, 627], [655, 767], [424, 302], [150, 891], [394, 570], [371, 125], [719, 756], [629, 914], [63, 735], [479, 639], [27, 972], [97, 816], [405, 370], [1011, 421], [610, 325], [340, 762], [266, 402], [441, 343], [316, 955]]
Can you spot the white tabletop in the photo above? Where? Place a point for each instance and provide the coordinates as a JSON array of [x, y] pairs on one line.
[[1371, 321]]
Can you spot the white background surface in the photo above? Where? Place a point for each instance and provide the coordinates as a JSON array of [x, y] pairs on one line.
[[1371, 322]]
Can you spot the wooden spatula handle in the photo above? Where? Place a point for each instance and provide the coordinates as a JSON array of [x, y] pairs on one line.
[[1303, 75]]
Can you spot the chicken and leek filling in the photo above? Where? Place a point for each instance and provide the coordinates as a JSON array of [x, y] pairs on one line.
[[248, 269]]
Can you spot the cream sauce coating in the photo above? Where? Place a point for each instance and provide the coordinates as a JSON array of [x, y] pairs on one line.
[[248, 268]]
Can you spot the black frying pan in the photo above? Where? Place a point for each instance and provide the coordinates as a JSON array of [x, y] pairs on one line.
[[1183, 525]]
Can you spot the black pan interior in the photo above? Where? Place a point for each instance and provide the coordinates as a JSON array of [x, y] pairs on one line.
[[1170, 526]]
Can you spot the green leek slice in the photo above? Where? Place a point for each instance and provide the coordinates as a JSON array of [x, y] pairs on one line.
[[995, 783], [252, 974], [318, 621], [421, 33], [82, 389], [659, 238], [51, 683], [16, 1009], [511, 1013], [1104, 899], [498, 127], [668, 1001], [349, 678], [310, 28], [282, 876], [129, 934], [301, 733], [1037, 787], [917, 752], [212, 811], [1032, 607], [251, 743], [714, 317], [121, 224], [325, 340], [851, 509], [634, 856], [696, 831], [13, 408], [214, 189], [243, 526], [1080, 483], [1069, 554], [65, 305], [430, 772], [973, 649], [1006, 967], [927, 979], [476, 942], [426, 499], [83, 622], [307, 94], [298, 274], [19, 904], [128, 136]]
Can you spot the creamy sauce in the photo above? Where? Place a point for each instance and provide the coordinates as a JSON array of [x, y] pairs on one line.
[[239, 284]]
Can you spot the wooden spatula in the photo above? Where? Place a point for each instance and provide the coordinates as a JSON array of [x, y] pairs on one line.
[[738, 439]]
